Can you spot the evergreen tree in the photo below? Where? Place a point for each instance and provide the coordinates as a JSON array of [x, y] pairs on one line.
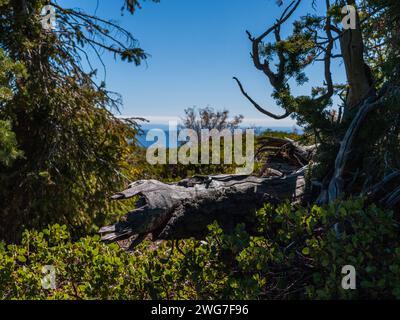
[[75, 151]]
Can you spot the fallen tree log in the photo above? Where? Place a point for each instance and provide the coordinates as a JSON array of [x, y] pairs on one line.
[[283, 156], [185, 209]]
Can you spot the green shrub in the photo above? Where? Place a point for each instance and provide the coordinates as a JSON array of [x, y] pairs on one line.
[[297, 254], [8, 144], [302, 252]]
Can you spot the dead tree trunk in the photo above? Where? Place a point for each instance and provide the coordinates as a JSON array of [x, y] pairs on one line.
[[173, 211], [185, 209]]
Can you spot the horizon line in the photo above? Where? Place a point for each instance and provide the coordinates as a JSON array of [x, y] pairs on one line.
[[165, 120]]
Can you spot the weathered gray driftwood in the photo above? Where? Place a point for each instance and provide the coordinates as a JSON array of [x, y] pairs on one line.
[[185, 209]]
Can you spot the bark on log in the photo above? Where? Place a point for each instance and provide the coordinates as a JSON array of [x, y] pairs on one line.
[[284, 156], [185, 209]]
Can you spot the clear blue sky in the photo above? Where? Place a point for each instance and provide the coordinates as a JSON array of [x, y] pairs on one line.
[[196, 47]]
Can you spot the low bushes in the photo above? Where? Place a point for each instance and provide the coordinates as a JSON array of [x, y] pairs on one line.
[[297, 254]]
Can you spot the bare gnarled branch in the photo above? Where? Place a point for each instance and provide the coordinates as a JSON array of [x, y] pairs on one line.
[[258, 107]]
